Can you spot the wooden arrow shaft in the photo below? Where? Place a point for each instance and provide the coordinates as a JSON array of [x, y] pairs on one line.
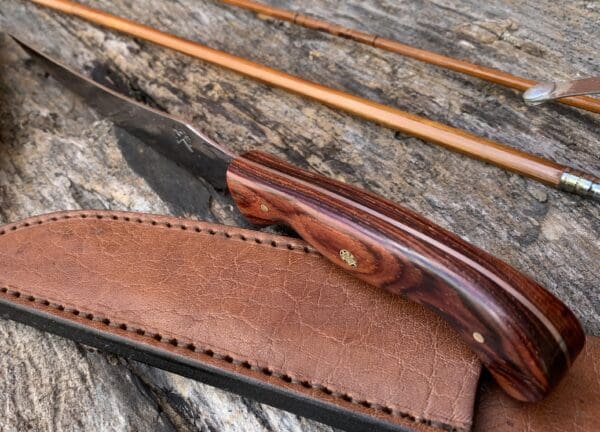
[[483, 72], [535, 167]]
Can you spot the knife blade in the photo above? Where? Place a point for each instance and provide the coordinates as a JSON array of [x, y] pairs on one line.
[[525, 336]]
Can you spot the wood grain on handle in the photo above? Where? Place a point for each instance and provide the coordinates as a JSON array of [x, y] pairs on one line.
[[524, 335]]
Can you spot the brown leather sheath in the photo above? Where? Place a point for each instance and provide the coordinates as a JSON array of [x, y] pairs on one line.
[[264, 316]]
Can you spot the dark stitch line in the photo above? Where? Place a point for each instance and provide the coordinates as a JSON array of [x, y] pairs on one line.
[[175, 342], [229, 359], [183, 227]]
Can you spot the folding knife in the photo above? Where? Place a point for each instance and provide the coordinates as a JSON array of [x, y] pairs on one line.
[[525, 336]]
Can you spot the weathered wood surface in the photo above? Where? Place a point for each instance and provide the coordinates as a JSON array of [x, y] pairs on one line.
[[55, 153]]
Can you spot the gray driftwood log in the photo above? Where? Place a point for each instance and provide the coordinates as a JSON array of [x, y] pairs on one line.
[[55, 153]]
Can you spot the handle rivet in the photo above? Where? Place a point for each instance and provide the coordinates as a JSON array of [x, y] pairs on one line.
[[348, 258], [478, 337], [264, 208]]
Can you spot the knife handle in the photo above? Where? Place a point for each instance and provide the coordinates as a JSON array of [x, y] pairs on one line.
[[525, 336]]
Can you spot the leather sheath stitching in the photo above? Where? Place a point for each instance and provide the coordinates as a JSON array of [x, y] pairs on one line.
[[190, 346], [182, 226], [211, 353]]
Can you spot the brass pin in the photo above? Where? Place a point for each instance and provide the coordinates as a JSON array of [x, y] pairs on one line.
[[478, 337], [348, 258]]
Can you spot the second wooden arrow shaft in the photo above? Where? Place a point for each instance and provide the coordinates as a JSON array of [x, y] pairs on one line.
[[483, 72]]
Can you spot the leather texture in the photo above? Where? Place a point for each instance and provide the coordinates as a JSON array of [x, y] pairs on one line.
[[574, 406], [271, 310], [267, 307]]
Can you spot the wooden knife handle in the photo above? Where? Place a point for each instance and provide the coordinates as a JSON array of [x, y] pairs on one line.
[[525, 336]]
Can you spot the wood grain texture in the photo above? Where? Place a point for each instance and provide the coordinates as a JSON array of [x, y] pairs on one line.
[[523, 334], [55, 153]]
